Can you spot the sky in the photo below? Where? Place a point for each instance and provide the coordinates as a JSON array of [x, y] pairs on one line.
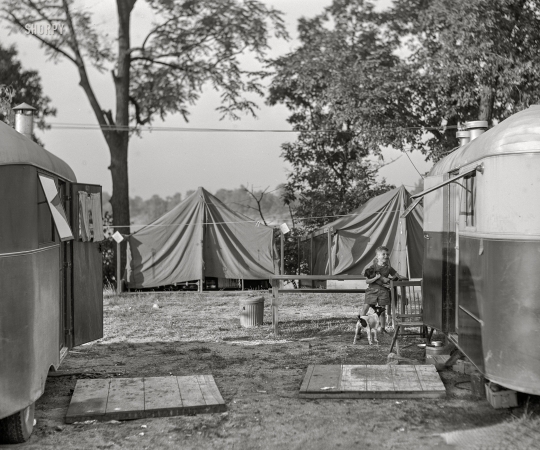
[[166, 162]]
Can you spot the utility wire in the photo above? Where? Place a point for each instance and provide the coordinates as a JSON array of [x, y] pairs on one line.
[[414, 165], [149, 128]]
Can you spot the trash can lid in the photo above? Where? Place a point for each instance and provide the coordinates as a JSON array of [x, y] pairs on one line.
[[252, 300]]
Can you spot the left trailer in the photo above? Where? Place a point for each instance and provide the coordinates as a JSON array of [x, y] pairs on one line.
[[51, 293]]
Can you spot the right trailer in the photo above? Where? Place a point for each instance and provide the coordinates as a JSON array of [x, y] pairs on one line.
[[481, 276]]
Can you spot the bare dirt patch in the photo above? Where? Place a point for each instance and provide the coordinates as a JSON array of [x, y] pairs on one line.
[[258, 375]]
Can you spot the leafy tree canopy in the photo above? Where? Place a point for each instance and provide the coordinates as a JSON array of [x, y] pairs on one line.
[[337, 89], [192, 44], [407, 77], [25, 85], [465, 60]]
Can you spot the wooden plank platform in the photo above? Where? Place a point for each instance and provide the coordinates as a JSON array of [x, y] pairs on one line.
[[138, 398], [322, 291], [437, 359], [371, 381]]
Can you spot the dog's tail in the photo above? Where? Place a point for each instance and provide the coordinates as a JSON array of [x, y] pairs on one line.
[[362, 321]]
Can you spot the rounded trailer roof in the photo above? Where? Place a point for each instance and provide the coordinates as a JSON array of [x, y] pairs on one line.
[[17, 149], [520, 133]]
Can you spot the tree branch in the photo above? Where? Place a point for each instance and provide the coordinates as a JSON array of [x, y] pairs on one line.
[[380, 166], [290, 212], [245, 205], [16, 21], [138, 118], [153, 60], [239, 52], [185, 49], [258, 200], [84, 81], [108, 115], [152, 32]]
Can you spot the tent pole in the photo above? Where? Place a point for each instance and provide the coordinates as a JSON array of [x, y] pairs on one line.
[[311, 258], [242, 284], [311, 255], [408, 264], [282, 254], [407, 249], [298, 255], [330, 269], [202, 245]]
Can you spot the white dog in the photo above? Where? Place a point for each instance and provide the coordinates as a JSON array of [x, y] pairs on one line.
[[370, 323]]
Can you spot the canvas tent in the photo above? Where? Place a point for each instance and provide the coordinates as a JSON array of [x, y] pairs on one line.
[[201, 237], [355, 237]]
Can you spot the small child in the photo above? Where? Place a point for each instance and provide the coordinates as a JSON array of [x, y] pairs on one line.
[[378, 275]]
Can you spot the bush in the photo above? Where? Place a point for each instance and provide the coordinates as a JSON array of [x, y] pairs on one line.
[[108, 252]]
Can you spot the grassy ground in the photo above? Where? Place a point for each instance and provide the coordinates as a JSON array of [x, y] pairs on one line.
[[258, 376]]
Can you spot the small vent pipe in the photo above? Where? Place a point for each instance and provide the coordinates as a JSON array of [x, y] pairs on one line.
[[476, 128], [24, 119], [464, 137]]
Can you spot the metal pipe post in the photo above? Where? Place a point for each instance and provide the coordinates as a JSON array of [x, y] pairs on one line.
[[311, 255], [276, 284], [282, 254], [118, 269]]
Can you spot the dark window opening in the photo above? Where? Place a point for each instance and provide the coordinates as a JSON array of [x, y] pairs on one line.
[[469, 201], [46, 232], [53, 200]]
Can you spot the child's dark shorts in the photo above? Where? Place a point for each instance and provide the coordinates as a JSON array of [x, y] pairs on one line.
[[377, 295]]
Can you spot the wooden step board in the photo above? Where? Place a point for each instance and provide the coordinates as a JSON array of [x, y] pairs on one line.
[[437, 359], [137, 398], [366, 381]]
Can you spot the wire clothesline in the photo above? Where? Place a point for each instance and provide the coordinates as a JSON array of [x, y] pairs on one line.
[[241, 221]]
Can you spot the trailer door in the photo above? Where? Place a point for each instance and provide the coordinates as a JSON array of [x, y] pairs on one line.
[[434, 248], [87, 309]]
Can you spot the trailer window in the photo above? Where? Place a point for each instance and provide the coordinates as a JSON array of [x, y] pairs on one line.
[[55, 207], [45, 221], [469, 201]]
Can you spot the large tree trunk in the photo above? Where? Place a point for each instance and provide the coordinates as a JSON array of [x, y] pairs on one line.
[[119, 142], [120, 198], [487, 100]]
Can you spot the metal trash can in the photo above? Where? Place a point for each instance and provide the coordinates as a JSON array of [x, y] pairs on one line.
[[251, 311], [432, 350]]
